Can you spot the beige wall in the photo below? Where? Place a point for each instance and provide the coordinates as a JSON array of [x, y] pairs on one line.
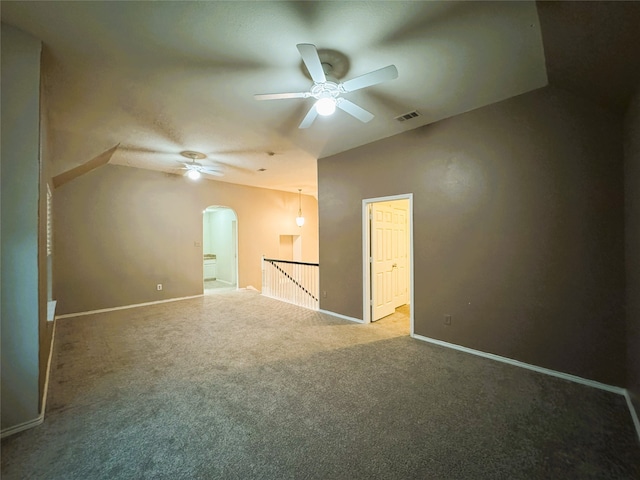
[[119, 231], [632, 230], [518, 230], [20, 177], [45, 263]]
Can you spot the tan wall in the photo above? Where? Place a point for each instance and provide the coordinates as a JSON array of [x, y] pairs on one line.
[[119, 231], [20, 165], [632, 251], [45, 264], [518, 230]]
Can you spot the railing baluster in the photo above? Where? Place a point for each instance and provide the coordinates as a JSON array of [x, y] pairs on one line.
[[293, 282]]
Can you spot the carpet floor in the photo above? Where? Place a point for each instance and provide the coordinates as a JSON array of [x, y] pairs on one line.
[[216, 286], [239, 386]]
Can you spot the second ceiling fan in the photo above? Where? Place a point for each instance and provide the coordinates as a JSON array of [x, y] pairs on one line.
[[327, 93]]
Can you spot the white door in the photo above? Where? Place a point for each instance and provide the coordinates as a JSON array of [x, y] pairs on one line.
[[400, 273], [382, 261]]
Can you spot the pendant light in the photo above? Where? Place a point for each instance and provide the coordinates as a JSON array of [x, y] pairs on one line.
[[300, 218]]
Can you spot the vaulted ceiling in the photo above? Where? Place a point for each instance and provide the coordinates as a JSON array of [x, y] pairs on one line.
[[160, 78]]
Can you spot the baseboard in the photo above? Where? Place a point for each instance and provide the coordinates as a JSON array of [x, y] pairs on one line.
[[545, 371], [22, 427], [528, 366], [40, 418], [46, 378], [124, 307], [344, 317], [632, 411]]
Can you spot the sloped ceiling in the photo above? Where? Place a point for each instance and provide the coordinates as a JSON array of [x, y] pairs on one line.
[[163, 77]]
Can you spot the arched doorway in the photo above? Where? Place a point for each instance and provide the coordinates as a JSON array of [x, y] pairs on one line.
[[219, 248]]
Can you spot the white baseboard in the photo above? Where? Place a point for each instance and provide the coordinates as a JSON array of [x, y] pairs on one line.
[[23, 426], [528, 366], [46, 378], [40, 418], [545, 371], [344, 317], [634, 414], [124, 307]]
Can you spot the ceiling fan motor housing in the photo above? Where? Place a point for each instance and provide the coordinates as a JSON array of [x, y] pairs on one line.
[[334, 64]]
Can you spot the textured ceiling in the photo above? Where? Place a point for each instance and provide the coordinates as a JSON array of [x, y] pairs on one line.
[[162, 77]]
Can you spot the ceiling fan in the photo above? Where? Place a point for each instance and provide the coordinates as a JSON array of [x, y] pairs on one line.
[[328, 93], [194, 169]]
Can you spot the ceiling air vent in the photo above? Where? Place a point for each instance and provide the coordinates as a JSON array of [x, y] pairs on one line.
[[408, 116]]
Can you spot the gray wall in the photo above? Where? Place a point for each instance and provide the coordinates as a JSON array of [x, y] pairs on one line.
[[20, 196], [518, 230], [632, 260], [119, 231]]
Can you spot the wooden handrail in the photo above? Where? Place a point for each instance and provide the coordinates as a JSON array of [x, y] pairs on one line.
[[290, 261]]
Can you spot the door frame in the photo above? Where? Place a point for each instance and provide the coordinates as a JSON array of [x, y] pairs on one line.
[[235, 242], [366, 247]]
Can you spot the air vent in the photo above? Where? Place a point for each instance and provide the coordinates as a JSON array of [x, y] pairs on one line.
[[408, 116]]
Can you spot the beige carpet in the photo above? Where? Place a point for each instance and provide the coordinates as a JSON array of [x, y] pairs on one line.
[[239, 386]]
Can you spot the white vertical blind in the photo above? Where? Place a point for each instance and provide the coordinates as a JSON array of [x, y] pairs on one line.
[[49, 221]]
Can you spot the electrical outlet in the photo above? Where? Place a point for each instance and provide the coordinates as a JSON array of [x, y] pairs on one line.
[[197, 244], [159, 287], [447, 319], [324, 294]]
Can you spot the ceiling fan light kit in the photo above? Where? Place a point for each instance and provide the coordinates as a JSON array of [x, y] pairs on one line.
[[193, 174], [194, 170], [326, 106], [328, 93]]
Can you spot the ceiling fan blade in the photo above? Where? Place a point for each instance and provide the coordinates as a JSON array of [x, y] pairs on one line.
[[372, 78], [309, 118], [311, 60], [215, 173], [278, 96], [354, 110]]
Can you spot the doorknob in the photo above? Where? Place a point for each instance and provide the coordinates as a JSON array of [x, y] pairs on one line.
[[395, 265]]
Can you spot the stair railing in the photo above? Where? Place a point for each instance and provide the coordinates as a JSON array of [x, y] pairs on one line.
[[292, 282]]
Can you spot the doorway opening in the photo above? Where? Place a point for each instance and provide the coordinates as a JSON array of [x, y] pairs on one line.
[[220, 249], [387, 246]]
